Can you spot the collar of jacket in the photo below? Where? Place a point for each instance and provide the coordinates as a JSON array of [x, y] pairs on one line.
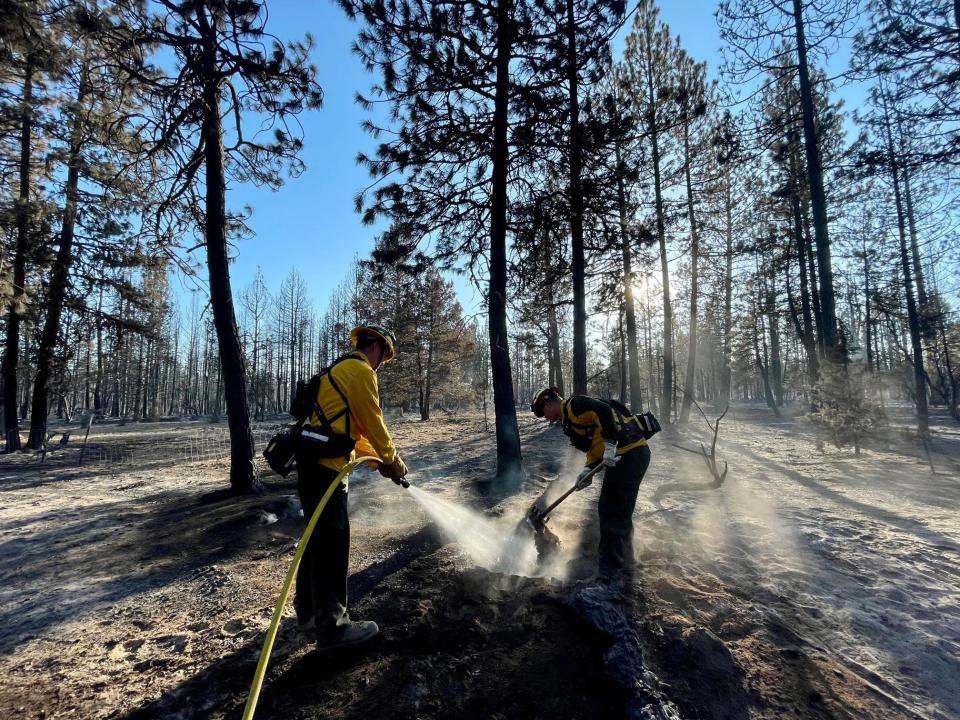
[[359, 355]]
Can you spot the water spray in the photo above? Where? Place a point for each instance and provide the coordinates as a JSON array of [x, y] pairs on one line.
[[536, 518], [489, 544]]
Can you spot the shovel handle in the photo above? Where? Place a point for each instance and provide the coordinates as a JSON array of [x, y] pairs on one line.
[[568, 493], [549, 508]]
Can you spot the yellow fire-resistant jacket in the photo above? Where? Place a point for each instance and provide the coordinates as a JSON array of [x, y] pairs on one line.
[[589, 422], [358, 383]]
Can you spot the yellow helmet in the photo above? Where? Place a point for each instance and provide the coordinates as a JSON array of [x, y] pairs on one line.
[[379, 333], [548, 393]]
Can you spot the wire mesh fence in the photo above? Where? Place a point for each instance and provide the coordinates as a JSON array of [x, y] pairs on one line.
[[200, 444]]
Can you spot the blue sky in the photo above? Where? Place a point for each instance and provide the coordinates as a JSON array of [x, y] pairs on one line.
[[310, 222]]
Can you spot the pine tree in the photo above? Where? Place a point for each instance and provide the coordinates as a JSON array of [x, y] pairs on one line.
[[728, 148], [781, 127], [221, 69], [98, 194], [692, 103], [32, 58], [757, 32], [575, 53], [446, 74], [649, 58], [909, 280], [541, 267], [626, 168], [914, 42], [843, 409], [255, 300], [442, 341]]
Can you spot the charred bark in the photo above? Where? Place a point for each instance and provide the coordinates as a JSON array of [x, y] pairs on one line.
[[688, 394], [243, 472], [818, 200], [11, 357], [578, 260], [504, 401], [630, 313], [58, 283]]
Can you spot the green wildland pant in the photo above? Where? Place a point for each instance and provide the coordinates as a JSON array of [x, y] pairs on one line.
[[618, 498], [322, 575]]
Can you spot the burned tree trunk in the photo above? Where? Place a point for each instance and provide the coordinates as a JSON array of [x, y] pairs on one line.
[[694, 280], [809, 333], [727, 372], [818, 199], [11, 357], [505, 410], [578, 260], [633, 356], [913, 316], [58, 283], [243, 472]]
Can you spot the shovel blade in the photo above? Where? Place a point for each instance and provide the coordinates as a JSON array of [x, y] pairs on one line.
[[535, 519]]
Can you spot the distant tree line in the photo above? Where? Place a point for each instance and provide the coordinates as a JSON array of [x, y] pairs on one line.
[[167, 363]]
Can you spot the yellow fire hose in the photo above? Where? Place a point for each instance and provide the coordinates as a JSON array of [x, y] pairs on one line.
[[285, 589]]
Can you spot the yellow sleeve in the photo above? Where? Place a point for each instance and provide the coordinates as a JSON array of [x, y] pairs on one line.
[[364, 448], [363, 394]]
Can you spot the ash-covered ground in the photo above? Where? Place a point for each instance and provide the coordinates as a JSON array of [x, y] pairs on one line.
[[812, 584]]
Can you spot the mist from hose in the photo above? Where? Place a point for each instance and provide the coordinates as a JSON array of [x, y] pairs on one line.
[[496, 545]]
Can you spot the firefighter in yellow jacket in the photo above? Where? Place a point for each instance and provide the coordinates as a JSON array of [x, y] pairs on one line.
[[345, 419], [610, 435]]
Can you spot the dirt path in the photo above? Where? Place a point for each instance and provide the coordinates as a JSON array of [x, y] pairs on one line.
[[810, 586]]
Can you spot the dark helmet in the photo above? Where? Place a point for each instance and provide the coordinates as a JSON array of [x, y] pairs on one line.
[[362, 333], [548, 393]]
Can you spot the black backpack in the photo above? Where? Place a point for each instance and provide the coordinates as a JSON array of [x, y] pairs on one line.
[[632, 427], [648, 424], [280, 452], [305, 443], [305, 397]]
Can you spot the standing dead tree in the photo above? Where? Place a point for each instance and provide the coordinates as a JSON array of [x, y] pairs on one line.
[[710, 459]]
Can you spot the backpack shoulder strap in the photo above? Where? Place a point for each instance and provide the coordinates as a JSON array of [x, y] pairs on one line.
[[567, 408], [326, 372]]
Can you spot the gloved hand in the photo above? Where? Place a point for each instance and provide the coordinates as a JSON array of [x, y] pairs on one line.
[[609, 454], [584, 479], [395, 470]]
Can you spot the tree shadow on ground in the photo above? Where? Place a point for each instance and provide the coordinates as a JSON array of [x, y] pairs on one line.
[[231, 674], [97, 556], [705, 639], [752, 569], [905, 524]]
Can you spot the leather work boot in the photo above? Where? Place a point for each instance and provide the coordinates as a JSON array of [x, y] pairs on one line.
[[352, 633]]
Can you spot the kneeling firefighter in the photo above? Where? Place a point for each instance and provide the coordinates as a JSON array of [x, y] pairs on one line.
[[612, 436], [343, 407]]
